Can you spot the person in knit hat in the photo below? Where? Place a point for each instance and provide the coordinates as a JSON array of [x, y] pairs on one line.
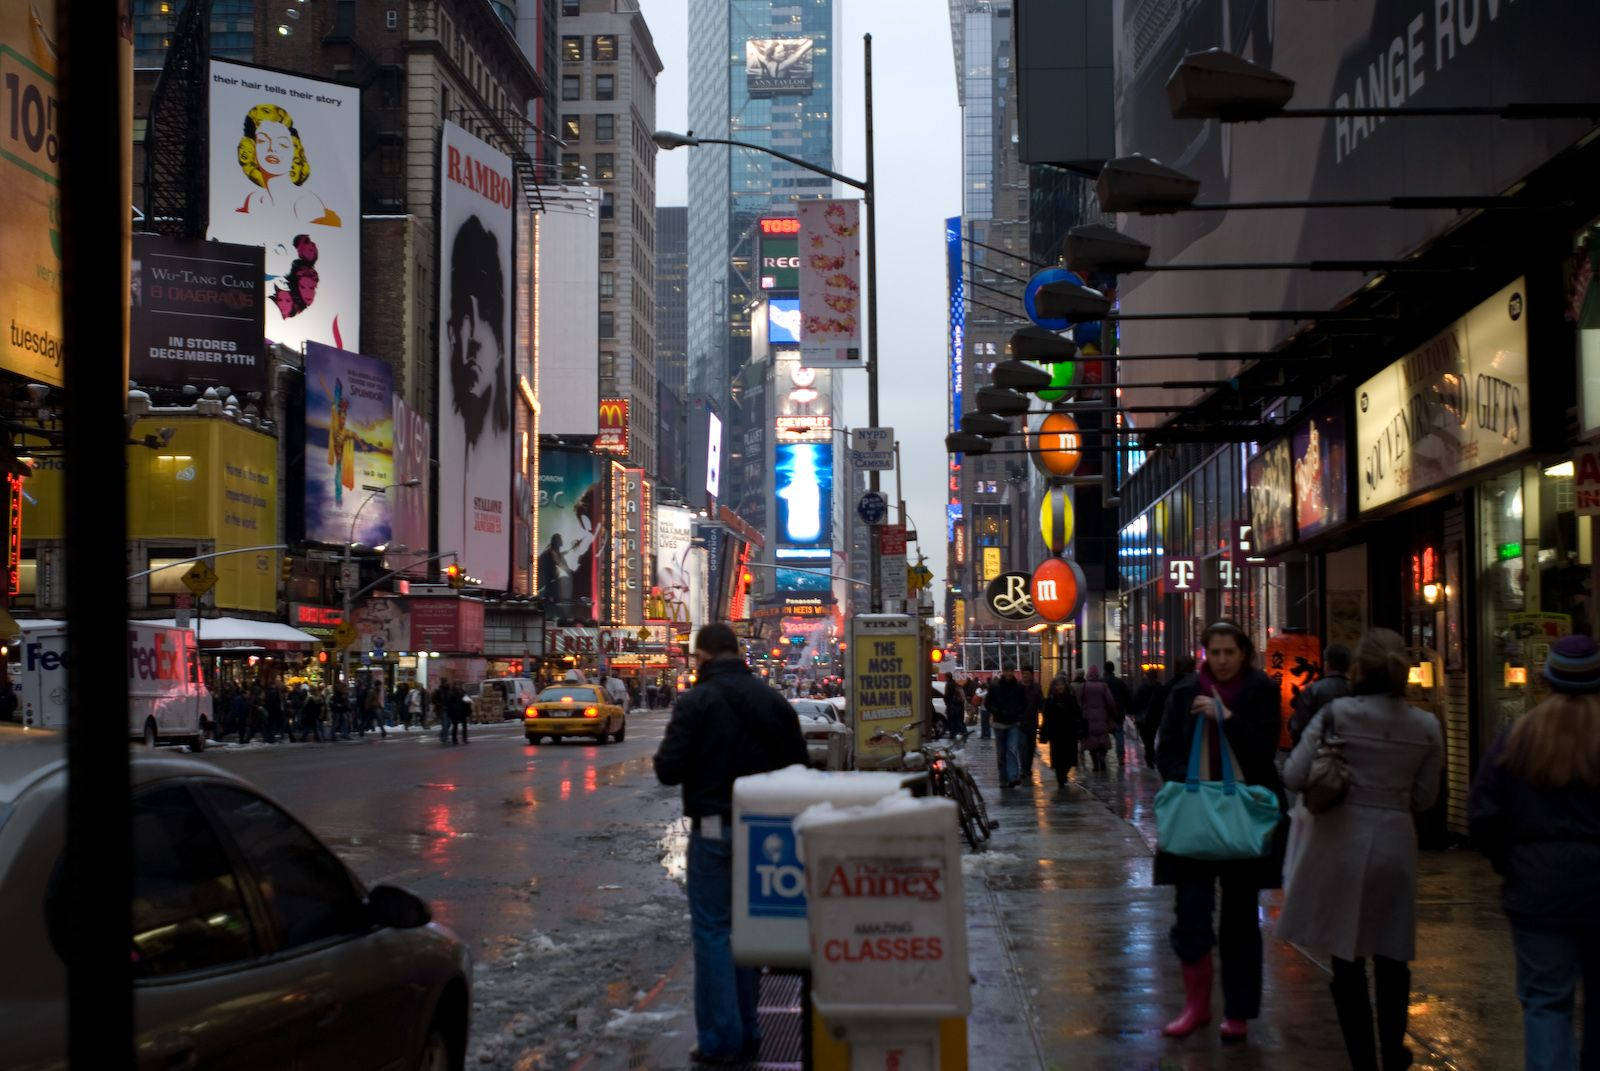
[[1534, 811]]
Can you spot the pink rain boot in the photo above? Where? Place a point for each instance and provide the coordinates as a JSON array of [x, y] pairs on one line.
[[1197, 1000]]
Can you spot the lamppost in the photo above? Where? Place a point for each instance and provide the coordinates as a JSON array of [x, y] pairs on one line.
[[666, 140], [346, 580]]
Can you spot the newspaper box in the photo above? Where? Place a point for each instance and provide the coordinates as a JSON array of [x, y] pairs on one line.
[[769, 895]]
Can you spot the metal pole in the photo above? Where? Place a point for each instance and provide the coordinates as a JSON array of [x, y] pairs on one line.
[[870, 193], [98, 866]]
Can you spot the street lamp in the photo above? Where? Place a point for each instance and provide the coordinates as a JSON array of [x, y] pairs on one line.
[[346, 581], [667, 140]]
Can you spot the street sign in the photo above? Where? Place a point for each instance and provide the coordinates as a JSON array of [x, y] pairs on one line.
[[921, 577], [872, 449], [200, 578], [873, 507], [350, 576], [344, 634]]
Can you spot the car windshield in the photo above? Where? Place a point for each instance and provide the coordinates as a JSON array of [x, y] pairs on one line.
[[814, 708], [572, 695]]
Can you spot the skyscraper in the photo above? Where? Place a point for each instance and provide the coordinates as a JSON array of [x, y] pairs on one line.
[[672, 297]]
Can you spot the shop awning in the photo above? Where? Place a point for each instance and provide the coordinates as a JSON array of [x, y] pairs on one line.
[[243, 632]]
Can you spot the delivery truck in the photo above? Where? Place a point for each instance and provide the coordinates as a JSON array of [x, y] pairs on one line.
[[167, 699]]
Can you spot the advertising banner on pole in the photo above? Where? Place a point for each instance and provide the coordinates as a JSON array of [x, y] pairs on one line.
[[197, 315], [286, 175], [349, 446], [887, 688], [830, 283], [474, 349]]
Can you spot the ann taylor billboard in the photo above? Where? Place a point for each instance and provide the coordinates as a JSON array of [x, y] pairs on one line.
[[778, 66]]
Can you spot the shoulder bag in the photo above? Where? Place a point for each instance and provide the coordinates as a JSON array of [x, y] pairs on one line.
[[1215, 820], [1329, 779]]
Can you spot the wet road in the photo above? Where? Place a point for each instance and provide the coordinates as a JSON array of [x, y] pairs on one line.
[[551, 861]]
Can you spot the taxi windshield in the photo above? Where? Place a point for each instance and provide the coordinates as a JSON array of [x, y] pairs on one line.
[[575, 695]]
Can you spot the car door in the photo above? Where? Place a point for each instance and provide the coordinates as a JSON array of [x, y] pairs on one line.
[[201, 999], [365, 1000]]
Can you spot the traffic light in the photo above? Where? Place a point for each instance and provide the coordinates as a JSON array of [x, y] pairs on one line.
[[776, 652], [936, 656], [454, 576], [286, 569]]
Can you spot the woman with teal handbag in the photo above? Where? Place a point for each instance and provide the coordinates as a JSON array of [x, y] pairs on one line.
[[1220, 821]]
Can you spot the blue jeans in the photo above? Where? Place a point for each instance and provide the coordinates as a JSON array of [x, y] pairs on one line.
[[724, 995], [1007, 752], [1549, 964], [1120, 735], [983, 723]]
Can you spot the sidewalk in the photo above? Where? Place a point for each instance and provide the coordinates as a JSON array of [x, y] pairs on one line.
[[1069, 947]]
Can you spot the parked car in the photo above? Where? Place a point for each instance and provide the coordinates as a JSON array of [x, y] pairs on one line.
[[574, 710], [820, 724], [254, 946], [517, 693]]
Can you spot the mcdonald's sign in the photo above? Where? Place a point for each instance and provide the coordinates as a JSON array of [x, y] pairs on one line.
[[613, 436]]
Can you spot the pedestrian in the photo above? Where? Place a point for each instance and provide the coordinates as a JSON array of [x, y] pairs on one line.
[[1534, 810], [1333, 684], [955, 708], [1006, 701], [650, 695], [460, 713], [339, 712], [239, 714], [312, 710], [372, 709], [1028, 729], [1247, 699], [414, 704], [298, 696], [980, 696], [728, 725], [1353, 891], [1182, 667], [1124, 697], [255, 717], [1062, 718], [273, 700], [1100, 716], [1147, 712], [441, 707]]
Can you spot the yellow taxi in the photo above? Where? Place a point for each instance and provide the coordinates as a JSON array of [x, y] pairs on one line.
[[574, 710]]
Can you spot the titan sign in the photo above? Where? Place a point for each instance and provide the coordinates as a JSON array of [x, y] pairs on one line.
[[475, 382], [286, 175]]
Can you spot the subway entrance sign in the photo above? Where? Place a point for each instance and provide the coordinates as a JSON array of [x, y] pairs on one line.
[[888, 685]]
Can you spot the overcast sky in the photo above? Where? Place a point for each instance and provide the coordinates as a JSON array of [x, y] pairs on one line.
[[919, 182]]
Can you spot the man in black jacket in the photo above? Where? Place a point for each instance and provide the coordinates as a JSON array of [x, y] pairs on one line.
[[1028, 729], [1006, 702], [728, 725]]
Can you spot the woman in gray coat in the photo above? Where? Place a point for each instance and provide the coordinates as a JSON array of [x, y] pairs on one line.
[[1353, 891]]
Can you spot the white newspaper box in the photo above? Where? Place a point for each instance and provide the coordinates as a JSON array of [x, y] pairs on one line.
[[769, 891], [887, 916]]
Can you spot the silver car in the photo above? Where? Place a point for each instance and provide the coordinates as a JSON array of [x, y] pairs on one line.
[[820, 724], [253, 945]]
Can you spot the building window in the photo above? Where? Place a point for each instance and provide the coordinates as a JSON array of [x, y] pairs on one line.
[[608, 324], [608, 245], [605, 127], [605, 47], [605, 166], [571, 87], [605, 87], [608, 205], [569, 7], [572, 50], [608, 285], [571, 127], [569, 167]]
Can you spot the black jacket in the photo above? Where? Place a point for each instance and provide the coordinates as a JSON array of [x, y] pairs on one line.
[[1544, 841], [728, 725], [1316, 695], [1063, 724], [1006, 701], [1253, 731]]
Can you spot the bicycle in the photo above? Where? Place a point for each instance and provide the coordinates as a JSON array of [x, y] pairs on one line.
[[948, 778]]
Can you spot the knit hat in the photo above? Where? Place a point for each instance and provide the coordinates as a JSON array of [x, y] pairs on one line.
[[1573, 665]]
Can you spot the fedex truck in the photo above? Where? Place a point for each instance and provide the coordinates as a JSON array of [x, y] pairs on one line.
[[167, 699]]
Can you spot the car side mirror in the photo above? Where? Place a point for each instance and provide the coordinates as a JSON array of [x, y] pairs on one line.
[[397, 909]]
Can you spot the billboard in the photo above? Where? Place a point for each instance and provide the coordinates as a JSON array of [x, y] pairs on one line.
[[408, 506], [567, 245], [1271, 497], [804, 399], [475, 384], [197, 315], [572, 528], [830, 283], [286, 175], [674, 534], [713, 453], [778, 66], [779, 243], [349, 446], [804, 492], [805, 581], [613, 437], [30, 243], [783, 321], [1320, 490]]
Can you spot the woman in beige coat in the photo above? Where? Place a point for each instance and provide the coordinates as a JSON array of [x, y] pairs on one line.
[[1353, 891]]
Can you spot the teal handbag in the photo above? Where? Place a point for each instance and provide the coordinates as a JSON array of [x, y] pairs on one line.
[[1215, 820]]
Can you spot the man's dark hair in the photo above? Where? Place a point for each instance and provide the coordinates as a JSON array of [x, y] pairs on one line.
[[1336, 658], [717, 640], [1111, 668], [475, 273]]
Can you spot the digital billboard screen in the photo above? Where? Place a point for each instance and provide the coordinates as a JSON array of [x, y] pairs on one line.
[[783, 321], [804, 581], [775, 66], [804, 494]]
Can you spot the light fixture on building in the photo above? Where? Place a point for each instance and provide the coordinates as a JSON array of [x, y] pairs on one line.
[[1219, 85], [1071, 301], [1094, 247], [1041, 346], [1019, 375], [987, 425], [1139, 184], [958, 442], [1001, 401], [1430, 593]]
